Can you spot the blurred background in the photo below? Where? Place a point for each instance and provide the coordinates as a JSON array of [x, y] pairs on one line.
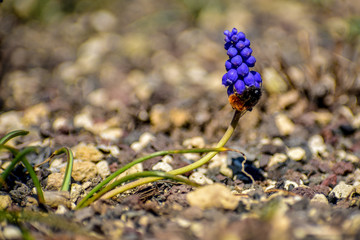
[[158, 64]]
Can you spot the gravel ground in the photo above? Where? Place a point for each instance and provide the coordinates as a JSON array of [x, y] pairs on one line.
[[116, 80]]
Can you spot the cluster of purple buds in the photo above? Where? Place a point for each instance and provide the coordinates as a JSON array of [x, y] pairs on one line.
[[238, 76]]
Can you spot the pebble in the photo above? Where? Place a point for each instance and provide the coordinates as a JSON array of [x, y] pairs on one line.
[[213, 196], [167, 159], [83, 120], [87, 153], [57, 198], [35, 114], [179, 117], [273, 82], [159, 118], [83, 171], [284, 124], [317, 145], [162, 166], [11, 232], [103, 169], [289, 185], [342, 190], [194, 142], [319, 198], [75, 192], [277, 158], [112, 134], [10, 121], [200, 178], [144, 140], [296, 153], [60, 123], [56, 165], [5, 202], [54, 181]]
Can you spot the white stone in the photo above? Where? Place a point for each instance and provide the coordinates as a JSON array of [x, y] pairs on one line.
[[319, 198], [296, 153], [277, 158], [112, 134], [317, 145], [284, 124], [342, 190], [167, 159], [200, 178], [103, 169], [162, 166], [11, 232], [194, 142]]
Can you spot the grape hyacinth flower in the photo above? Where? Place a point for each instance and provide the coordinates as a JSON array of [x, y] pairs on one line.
[[244, 85]]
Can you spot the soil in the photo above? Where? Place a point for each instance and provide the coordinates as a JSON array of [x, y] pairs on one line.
[[122, 79]]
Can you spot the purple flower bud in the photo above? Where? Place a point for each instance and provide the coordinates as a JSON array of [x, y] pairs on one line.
[[239, 86], [228, 65], [232, 75], [225, 81], [227, 39], [235, 38], [250, 61], [240, 45], [230, 90], [234, 31], [247, 42], [249, 80], [246, 52], [227, 45], [241, 36], [242, 70], [236, 61], [226, 32], [257, 76], [232, 52]]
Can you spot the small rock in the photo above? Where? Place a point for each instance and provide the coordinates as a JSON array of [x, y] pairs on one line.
[[317, 145], [144, 140], [83, 171], [330, 181], [56, 165], [273, 82], [75, 192], [179, 117], [60, 123], [342, 168], [290, 185], [194, 142], [103, 169], [54, 181], [319, 198], [167, 159], [83, 120], [35, 114], [284, 124], [103, 21], [112, 134], [159, 118], [296, 153], [10, 121], [11, 232], [342, 190], [277, 158], [5, 202], [57, 198], [200, 178], [213, 196], [87, 153], [162, 166]]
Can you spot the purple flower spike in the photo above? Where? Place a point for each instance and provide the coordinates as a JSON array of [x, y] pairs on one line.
[[246, 52], [239, 86], [232, 52], [243, 70], [236, 61], [243, 85], [250, 61]]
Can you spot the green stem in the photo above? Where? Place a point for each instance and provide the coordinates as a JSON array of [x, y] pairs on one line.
[[142, 159], [202, 161]]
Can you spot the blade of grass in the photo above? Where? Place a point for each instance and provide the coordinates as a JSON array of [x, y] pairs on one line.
[[142, 159], [200, 162], [11, 135], [160, 174], [69, 166], [20, 156]]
